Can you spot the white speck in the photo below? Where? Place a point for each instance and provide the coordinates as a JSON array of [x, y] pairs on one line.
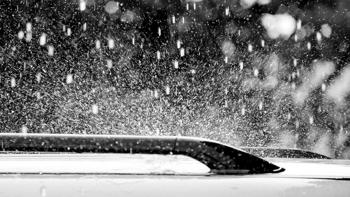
[[176, 64], [29, 27], [98, 44], [256, 72], [29, 36], [158, 55], [178, 44], [20, 35], [38, 77], [156, 95], [69, 31], [159, 31], [243, 111], [173, 19], [318, 37], [69, 79], [311, 120], [110, 43], [250, 48], [112, 7], [167, 90], [43, 191], [50, 50], [299, 24], [260, 105], [13, 82], [323, 87], [227, 11], [295, 62], [94, 109], [326, 30], [84, 27], [262, 43], [109, 63], [308, 45], [241, 65], [42, 39], [24, 129], [82, 5], [182, 52]]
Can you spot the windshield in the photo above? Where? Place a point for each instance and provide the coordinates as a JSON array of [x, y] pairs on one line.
[[252, 73]]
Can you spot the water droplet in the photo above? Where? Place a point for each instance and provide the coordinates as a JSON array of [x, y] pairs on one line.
[[241, 65], [42, 39], [69, 79], [43, 191], [50, 50], [38, 77], [227, 11], [82, 5], [176, 64], [182, 52], [24, 129], [98, 44], [110, 43], [159, 31], [94, 109], [13, 82], [167, 90], [158, 55], [69, 31], [309, 45], [109, 63], [250, 48], [29, 27], [178, 44], [20, 35]]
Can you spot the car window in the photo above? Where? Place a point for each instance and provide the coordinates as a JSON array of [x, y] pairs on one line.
[[252, 73]]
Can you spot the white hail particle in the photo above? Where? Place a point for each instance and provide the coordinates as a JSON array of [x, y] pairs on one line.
[[159, 31], [13, 82], [299, 24], [156, 95], [295, 62], [279, 25], [228, 48], [50, 50], [42, 39], [256, 72], [29, 27], [311, 120], [29, 36], [262, 43], [109, 63], [98, 44], [340, 87], [133, 40], [194, 6], [226, 59], [187, 6], [260, 105], [182, 52], [82, 5], [112, 7], [38, 77], [326, 30], [176, 64], [308, 45], [110, 43], [243, 111], [250, 48], [94, 109], [323, 87], [69, 79], [318, 37], [20, 35], [227, 11], [173, 19], [241, 65]]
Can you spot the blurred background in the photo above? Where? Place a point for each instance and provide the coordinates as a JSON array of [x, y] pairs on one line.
[[244, 72]]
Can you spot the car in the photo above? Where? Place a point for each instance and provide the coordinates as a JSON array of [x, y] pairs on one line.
[[114, 165]]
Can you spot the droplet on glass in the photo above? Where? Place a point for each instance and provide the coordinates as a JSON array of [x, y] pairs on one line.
[[50, 50], [94, 109], [182, 52], [20, 35], [13, 82], [42, 39], [69, 79]]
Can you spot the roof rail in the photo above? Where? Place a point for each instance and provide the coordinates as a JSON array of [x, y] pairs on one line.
[[220, 158]]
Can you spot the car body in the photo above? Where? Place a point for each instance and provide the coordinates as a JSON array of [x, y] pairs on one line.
[[94, 173]]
